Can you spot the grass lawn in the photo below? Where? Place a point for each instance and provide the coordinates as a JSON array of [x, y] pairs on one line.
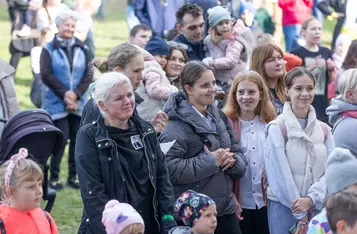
[[67, 210], [68, 206]]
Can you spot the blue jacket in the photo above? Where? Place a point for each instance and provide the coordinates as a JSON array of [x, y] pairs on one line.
[[60, 75], [160, 17]]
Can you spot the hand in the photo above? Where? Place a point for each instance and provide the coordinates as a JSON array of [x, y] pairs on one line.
[[159, 121], [239, 211], [71, 107], [227, 160], [70, 95], [337, 15], [302, 205], [301, 228], [330, 65], [207, 61], [220, 95], [216, 154]]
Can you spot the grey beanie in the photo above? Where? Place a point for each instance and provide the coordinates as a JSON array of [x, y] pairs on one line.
[[217, 14], [341, 170]]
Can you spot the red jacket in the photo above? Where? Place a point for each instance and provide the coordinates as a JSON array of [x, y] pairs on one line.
[[32, 222], [295, 11]]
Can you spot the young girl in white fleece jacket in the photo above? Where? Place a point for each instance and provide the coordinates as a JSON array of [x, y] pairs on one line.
[[296, 151]]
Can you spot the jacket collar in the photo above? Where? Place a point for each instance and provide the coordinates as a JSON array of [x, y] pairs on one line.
[[57, 44], [143, 127], [178, 107], [294, 125]]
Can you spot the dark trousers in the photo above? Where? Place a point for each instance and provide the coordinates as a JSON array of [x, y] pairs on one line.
[[255, 221], [69, 127], [228, 224]]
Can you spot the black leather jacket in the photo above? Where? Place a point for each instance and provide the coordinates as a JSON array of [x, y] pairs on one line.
[[101, 177]]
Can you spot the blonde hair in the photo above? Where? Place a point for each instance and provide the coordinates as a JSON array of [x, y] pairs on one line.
[[265, 108], [347, 81], [306, 23], [135, 228], [25, 170], [259, 57], [119, 56]]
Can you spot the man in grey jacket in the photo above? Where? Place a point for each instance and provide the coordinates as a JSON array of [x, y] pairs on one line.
[[9, 104]]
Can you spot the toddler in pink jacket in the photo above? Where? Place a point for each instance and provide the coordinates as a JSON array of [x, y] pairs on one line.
[[155, 88], [229, 46]]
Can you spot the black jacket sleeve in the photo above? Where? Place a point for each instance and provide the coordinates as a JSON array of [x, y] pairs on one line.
[[48, 78], [165, 193], [140, 12], [324, 7], [89, 176], [87, 79]]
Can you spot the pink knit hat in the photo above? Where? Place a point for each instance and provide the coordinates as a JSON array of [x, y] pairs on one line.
[[117, 216]]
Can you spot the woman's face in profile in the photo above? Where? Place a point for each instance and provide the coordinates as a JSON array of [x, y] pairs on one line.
[[120, 104], [175, 63], [134, 69]]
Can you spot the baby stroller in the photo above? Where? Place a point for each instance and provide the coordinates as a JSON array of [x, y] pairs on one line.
[[33, 130]]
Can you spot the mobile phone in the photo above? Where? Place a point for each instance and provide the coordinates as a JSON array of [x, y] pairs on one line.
[[293, 228]]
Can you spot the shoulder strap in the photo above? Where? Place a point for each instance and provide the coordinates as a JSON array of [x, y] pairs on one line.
[[282, 127], [48, 218], [2, 227]]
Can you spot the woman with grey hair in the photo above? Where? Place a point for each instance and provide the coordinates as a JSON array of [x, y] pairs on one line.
[[66, 75], [119, 157], [343, 112]]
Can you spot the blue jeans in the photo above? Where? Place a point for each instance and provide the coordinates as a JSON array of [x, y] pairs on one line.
[[291, 35], [130, 17], [317, 13], [280, 218]]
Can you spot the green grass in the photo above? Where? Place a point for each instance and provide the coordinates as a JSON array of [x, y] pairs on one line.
[[67, 210]]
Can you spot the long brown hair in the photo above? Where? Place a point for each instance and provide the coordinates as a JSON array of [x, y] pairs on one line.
[[351, 56], [265, 108], [260, 55]]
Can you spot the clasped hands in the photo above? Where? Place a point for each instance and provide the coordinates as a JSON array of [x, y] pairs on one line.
[[70, 99], [223, 157]]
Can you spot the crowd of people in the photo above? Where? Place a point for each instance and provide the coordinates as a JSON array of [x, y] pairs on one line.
[[200, 123]]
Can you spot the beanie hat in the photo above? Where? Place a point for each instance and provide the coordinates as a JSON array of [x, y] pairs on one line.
[[191, 205], [157, 46], [117, 216], [341, 170], [247, 6], [217, 14]]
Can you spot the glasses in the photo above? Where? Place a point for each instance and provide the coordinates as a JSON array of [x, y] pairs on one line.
[[177, 45]]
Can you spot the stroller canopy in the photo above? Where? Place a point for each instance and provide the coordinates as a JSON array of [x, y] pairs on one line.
[[33, 130]]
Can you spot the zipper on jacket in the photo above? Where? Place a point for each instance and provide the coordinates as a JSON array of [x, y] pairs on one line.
[[75, 57], [151, 177]]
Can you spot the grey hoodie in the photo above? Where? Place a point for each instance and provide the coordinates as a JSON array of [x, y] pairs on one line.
[[344, 128], [9, 104], [190, 167]]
